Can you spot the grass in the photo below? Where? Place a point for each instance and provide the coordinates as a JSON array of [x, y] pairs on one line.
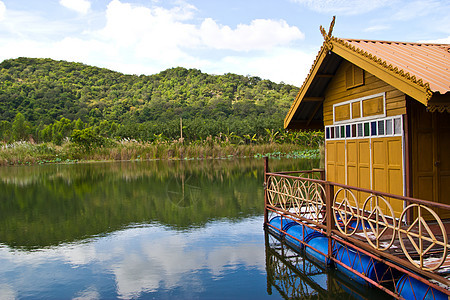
[[25, 153]]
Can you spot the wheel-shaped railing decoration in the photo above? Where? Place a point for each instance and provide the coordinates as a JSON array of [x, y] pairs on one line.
[[422, 238], [346, 211], [316, 204], [272, 188], [378, 223], [285, 194], [299, 197], [308, 208]]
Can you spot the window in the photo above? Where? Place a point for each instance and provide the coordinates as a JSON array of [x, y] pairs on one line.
[[360, 129], [373, 106], [380, 127], [354, 76], [356, 110], [388, 127], [365, 108], [366, 129], [342, 112]]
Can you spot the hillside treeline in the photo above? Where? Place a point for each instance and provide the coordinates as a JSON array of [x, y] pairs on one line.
[[46, 100]]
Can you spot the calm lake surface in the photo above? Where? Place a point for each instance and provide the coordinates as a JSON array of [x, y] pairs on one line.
[[155, 229]]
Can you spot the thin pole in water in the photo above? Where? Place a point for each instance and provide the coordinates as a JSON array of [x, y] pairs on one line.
[[266, 170], [181, 129]]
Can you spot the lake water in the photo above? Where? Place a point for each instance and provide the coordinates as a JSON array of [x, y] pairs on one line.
[[154, 229]]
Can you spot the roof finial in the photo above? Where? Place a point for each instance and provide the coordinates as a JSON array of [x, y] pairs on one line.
[[330, 31], [327, 36]]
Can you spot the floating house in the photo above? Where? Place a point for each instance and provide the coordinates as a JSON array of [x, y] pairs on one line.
[[385, 109]]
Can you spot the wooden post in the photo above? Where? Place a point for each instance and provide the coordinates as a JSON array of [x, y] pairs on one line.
[[329, 195], [181, 129], [266, 170], [407, 160], [269, 270]]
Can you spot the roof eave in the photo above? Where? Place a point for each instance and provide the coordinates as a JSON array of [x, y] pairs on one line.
[[404, 82], [304, 88], [410, 85]]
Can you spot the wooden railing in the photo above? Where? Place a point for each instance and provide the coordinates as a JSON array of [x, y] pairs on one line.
[[415, 239]]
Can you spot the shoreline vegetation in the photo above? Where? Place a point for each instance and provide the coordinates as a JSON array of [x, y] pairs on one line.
[[57, 111], [95, 148]]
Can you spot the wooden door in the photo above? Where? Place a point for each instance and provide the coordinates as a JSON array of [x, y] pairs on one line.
[[430, 159], [335, 164], [443, 159], [387, 169]]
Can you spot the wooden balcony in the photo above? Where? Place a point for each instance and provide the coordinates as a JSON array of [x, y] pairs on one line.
[[414, 241]]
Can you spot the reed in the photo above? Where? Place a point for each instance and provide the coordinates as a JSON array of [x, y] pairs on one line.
[[20, 153]]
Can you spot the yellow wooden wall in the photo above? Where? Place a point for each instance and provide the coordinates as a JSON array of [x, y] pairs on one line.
[[430, 158], [373, 162], [337, 92]]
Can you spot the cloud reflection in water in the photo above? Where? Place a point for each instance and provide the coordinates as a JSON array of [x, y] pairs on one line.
[[146, 259]]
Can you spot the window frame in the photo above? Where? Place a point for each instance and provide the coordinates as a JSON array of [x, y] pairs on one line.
[[360, 100]]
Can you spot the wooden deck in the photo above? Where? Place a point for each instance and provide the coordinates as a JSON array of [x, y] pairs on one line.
[[414, 241], [430, 261]]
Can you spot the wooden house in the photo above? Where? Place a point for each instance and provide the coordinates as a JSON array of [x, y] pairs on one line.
[[385, 109]]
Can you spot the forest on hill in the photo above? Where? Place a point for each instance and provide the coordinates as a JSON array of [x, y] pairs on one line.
[[44, 100]]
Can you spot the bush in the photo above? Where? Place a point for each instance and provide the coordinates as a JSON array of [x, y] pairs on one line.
[[87, 139]]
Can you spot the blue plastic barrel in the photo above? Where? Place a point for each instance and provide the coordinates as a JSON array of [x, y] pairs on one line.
[[362, 263], [298, 231], [320, 242], [276, 222], [411, 288]]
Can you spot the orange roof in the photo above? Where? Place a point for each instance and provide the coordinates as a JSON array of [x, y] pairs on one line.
[[420, 70], [429, 62]]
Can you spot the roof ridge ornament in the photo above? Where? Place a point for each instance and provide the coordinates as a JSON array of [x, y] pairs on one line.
[[328, 36]]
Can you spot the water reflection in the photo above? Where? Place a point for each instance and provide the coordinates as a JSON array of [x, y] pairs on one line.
[[295, 276], [47, 205], [134, 230], [136, 262]]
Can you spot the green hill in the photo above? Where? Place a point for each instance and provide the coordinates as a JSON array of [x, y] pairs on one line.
[[47, 92]]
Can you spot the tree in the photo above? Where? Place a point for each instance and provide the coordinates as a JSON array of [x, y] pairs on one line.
[[5, 131], [87, 139], [61, 129], [20, 128], [79, 124]]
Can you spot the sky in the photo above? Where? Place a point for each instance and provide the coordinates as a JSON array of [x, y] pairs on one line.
[[273, 39]]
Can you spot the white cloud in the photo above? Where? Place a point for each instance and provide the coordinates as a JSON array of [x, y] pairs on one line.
[[281, 64], [437, 41], [148, 33], [138, 39], [90, 293], [2, 10], [260, 34], [7, 292], [413, 9], [78, 255], [29, 26], [343, 7], [81, 6], [376, 28], [136, 274], [162, 38], [156, 31], [144, 259], [148, 268]]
